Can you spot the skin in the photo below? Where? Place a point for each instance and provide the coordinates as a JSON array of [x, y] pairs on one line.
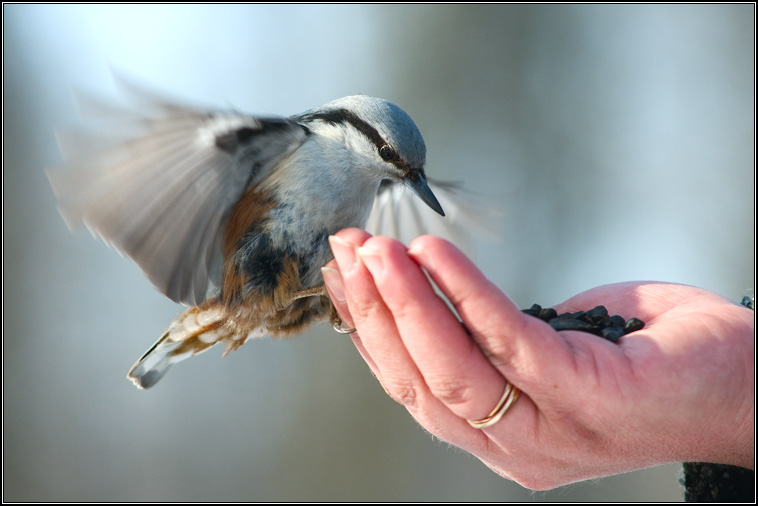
[[681, 389]]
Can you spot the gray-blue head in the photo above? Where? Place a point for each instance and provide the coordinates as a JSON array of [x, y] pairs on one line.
[[389, 132]]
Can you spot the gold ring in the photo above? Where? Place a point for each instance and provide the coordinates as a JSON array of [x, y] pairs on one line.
[[510, 395]]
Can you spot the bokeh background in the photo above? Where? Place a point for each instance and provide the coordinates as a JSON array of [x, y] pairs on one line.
[[618, 139]]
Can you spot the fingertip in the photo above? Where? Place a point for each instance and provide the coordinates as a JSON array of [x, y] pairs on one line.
[[354, 236], [383, 244], [431, 253], [424, 243]]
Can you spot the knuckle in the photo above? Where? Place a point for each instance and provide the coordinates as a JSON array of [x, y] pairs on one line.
[[450, 392], [403, 310], [365, 308], [403, 393]]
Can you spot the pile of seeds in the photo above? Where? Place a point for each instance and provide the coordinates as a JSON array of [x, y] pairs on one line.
[[595, 321]]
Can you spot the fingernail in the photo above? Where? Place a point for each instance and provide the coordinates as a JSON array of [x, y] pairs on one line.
[[420, 255], [372, 259], [344, 253], [415, 249], [333, 282]]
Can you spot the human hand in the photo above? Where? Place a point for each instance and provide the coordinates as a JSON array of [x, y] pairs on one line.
[[681, 389]]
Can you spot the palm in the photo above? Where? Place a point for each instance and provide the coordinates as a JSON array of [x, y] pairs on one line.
[[603, 398]]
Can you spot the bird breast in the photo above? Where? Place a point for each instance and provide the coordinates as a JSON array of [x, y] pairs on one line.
[[280, 227]]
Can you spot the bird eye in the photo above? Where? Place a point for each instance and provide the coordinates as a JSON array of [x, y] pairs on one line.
[[387, 153]]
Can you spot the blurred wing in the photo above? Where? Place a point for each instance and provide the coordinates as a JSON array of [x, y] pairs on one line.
[[400, 214], [156, 182]]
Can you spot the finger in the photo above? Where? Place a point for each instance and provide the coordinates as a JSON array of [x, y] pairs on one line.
[[376, 327], [453, 366], [336, 290], [396, 371], [333, 278], [399, 376], [526, 350]]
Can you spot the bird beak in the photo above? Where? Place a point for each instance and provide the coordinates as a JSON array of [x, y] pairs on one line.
[[418, 185]]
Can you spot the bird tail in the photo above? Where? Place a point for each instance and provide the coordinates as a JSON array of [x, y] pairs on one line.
[[192, 332]]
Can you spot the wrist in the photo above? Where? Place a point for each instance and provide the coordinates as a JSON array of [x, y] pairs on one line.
[[738, 423]]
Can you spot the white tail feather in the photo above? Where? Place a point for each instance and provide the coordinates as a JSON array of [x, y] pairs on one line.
[[192, 332], [155, 363]]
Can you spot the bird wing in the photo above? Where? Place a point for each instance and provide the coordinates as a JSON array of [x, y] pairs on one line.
[[400, 214], [156, 181]]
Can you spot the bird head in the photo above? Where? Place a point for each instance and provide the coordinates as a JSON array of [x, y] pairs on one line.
[[385, 135]]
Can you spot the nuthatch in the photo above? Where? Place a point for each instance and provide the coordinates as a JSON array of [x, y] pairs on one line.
[[230, 213]]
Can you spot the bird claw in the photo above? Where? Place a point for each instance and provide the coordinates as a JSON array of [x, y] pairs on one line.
[[337, 324]]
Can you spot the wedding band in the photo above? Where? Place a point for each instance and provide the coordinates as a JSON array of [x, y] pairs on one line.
[[338, 327], [510, 395]]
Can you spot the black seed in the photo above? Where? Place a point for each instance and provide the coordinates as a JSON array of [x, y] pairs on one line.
[[544, 314], [595, 321], [573, 324], [617, 321], [747, 302], [597, 314], [633, 325], [547, 314], [580, 315], [612, 333], [533, 311]]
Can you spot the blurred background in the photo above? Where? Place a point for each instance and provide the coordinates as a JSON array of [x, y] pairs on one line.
[[619, 140]]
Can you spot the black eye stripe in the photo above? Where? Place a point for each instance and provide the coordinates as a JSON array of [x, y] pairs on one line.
[[339, 116]]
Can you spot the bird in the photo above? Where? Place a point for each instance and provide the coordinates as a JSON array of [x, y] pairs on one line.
[[230, 213]]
